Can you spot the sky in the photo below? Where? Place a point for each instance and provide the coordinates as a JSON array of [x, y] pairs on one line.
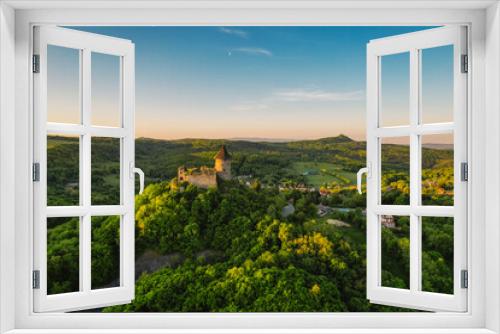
[[249, 82]]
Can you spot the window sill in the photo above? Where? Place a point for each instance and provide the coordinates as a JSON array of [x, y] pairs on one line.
[[254, 331]]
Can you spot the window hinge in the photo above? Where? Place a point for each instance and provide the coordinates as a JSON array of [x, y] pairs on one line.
[[36, 279], [464, 171], [36, 172], [465, 64], [464, 280], [36, 63]]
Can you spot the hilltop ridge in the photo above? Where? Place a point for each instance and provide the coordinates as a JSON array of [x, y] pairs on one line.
[[334, 139]]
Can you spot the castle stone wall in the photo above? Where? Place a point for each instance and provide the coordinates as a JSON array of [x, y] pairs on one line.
[[202, 180]]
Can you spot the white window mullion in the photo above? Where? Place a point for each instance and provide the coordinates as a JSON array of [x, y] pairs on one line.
[[125, 173], [85, 162], [85, 253], [127, 222], [85, 172], [372, 178], [415, 253], [378, 263], [415, 189], [421, 210], [78, 129], [63, 127], [405, 130]]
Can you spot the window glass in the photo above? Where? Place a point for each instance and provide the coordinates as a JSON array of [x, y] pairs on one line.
[[63, 255], [437, 84], [395, 170], [437, 254], [437, 169], [106, 90], [63, 170], [105, 252], [105, 170], [395, 89], [395, 251], [63, 84]]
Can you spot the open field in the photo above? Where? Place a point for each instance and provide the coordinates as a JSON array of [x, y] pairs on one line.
[[320, 173]]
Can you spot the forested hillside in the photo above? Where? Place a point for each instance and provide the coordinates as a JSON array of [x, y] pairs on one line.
[[231, 249]]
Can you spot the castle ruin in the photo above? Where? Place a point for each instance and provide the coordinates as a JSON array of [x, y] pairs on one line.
[[206, 177]]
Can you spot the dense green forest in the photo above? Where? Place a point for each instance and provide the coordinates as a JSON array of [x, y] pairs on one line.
[[231, 248]]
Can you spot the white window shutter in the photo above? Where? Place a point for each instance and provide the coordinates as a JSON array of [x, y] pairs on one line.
[[413, 43], [85, 44]]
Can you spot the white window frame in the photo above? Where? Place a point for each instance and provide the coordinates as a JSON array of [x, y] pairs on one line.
[[85, 44], [483, 18], [413, 44]]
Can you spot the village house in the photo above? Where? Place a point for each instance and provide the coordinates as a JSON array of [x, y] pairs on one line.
[[323, 210], [288, 210], [323, 192], [388, 221]]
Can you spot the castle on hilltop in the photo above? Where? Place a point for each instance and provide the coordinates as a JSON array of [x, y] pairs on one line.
[[206, 177]]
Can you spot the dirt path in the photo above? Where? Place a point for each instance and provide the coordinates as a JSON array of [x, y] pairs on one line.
[[150, 261]]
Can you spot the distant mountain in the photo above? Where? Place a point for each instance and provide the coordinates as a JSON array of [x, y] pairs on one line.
[[335, 140], [264, 140], [327, 140]]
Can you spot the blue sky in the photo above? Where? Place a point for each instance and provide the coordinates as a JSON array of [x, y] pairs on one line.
[[266, 82]]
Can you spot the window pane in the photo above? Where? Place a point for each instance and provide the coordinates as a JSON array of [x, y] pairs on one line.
[[105, 252], [63, 249], [395, 89], [395, 251], [437, 84], [63, 84], [437, 169], [437, 254], [105, 171], [395, 170], [106, 90], [63, 165]]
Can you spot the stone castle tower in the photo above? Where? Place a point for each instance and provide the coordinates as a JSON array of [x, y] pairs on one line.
[[223, 163], [206, 177]]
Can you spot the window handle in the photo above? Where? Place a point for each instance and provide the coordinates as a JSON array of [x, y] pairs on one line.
[[141, 179], [359, 175]]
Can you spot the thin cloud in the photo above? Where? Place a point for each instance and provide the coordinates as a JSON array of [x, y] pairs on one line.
[[305, 95], [252, 51], [250, 106], [235, 32], [297, 95]]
